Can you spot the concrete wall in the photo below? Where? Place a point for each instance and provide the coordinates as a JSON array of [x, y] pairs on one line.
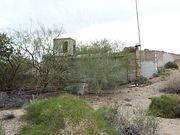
[[152, 60], [148, 68], [166, 57]]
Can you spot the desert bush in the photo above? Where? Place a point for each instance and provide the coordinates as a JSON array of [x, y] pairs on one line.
[[37, 46], [65, 115], [99, 73], [132, 121], [167, 106], [98, 66], [3, 75], [171, 65], [9, 63], [172, 86]]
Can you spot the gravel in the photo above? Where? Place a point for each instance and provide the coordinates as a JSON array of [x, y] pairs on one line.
[[12, 126]]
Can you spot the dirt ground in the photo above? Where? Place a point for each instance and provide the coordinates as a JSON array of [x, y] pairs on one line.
[[141, 97], [12, 126], [131, 96]]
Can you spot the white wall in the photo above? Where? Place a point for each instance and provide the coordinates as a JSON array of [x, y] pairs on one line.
[[148, 68]]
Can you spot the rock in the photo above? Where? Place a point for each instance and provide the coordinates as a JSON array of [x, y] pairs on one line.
[[15, 98]]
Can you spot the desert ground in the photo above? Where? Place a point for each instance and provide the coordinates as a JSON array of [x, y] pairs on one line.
[[127, 95]]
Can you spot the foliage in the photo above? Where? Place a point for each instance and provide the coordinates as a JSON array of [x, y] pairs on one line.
[[127, 55], [172, 86], [163, 72], [6, 49], [132, 121], [66, 114], [143, 80], [37, 45], [171, 65], [28, 59], [98, 47], [167, 106], [5, 52], [99, 67], [10, 62]]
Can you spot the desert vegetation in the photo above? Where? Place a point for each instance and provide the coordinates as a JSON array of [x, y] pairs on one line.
[[162, 72], [30, 67], [132, 121], [68, 114], [29, 61], [172, 86], [167, 106], [171, 65], [65, 115], [99, 67]]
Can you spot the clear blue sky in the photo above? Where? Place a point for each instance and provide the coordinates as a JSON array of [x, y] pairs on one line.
[[87, 20]]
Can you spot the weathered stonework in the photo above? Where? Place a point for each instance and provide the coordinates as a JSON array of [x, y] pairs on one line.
[[64, 46]]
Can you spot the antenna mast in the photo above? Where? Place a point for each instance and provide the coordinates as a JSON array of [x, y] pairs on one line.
[[138, 48], [137, 15]]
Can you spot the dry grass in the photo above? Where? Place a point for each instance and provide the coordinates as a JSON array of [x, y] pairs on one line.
[[132, 121], [172, 86]]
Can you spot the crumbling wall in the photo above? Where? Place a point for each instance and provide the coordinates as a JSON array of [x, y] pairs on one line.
[[152, 61]]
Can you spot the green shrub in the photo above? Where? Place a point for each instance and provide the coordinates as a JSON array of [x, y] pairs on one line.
[[171, 65], [99, 67], [100, 122], [162, 73], [64, 115], [99, 73], [167, 106]]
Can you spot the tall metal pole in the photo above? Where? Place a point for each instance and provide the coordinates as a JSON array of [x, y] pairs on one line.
[[138, 49], [137, 15]]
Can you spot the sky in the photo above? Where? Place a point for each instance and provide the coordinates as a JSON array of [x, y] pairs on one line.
[[90, 20]]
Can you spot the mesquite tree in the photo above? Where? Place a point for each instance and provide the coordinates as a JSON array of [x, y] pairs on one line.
[[10, 62], [37, 45]]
